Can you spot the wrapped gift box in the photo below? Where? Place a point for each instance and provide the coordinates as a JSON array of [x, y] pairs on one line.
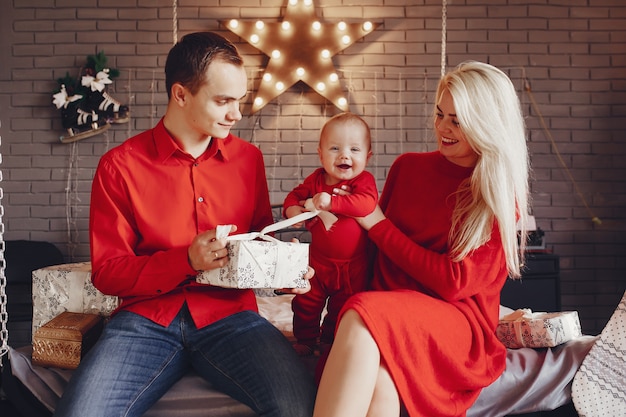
[[523, 328], [266, 263], [261, 264], [64, 340], [67, 287]]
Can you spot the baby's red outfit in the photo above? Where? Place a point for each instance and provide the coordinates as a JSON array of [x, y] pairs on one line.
[[338, 255]]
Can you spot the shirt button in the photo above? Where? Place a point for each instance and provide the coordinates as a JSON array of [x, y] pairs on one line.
[[200, 199]]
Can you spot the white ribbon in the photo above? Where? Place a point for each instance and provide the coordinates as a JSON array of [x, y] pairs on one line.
[[222, 231], [62, 99], [98, 82]]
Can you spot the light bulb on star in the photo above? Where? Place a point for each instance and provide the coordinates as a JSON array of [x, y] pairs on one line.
[[300, 48]]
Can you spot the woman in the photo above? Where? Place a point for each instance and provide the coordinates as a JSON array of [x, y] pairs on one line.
[[446, 237]]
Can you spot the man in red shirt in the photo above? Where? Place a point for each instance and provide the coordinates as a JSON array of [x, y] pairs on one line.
[[155, 203]]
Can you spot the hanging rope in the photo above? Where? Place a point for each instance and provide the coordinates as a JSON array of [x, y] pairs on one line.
[[376, 111], [175, 21], [300, 155], [427, 111], [277, 128], [444, 27], [130, 101], [4, 316], [153, 107], [400, 112], [596, 220]]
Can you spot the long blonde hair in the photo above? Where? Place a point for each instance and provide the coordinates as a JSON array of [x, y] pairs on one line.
[[489, 113]]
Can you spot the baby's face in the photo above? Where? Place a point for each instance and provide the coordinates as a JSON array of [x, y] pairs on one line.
[[344, 152]]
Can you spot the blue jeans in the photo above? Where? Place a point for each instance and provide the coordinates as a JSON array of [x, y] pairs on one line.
[[136, 361]]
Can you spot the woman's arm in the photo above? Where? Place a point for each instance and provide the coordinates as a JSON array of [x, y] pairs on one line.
[[437, 271]]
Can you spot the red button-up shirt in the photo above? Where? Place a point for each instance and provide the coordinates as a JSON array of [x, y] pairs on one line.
[[148, 201]]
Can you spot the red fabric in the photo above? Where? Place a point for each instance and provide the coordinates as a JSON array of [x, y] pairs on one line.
[[433, 319], [338, 255], [335, 280], [346, 237], [148, 201]]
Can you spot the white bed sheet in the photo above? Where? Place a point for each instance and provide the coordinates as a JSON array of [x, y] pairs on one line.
[[534, 380]]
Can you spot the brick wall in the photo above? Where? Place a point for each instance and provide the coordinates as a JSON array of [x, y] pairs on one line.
[[571, 53]]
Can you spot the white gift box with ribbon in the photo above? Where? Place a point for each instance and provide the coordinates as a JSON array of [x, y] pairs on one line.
[[523, 328], [265, 263]]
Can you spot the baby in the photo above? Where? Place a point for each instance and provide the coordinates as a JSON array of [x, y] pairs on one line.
[[339, 245]]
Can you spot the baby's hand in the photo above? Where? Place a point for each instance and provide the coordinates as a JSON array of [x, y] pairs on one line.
[[322, 201], [292, 211]]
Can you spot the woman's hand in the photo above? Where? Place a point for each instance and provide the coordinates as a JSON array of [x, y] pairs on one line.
[[371, 219]]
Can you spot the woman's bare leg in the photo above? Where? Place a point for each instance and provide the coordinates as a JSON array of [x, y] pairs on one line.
[[385, 401], [350, 385]]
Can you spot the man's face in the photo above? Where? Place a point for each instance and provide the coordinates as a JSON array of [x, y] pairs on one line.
[[214, 109]]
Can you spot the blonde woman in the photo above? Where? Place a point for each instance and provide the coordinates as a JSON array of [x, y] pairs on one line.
[[423, 339]]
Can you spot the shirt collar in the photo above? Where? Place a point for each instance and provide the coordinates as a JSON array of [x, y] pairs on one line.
[[166, 146]]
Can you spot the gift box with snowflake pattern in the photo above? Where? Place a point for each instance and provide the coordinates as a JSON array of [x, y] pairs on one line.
[[261, 264], [523, 328], [67, 287]]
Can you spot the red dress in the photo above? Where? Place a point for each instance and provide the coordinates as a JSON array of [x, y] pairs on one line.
[[433, 319]]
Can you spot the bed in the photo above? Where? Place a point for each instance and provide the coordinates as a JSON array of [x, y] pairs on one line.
[[534, 380]]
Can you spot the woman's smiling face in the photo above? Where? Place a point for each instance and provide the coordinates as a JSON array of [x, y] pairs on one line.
[[450, 138]]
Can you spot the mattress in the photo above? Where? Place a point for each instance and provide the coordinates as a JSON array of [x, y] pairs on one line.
[[534, 379]]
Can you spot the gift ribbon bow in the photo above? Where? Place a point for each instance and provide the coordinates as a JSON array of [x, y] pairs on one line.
[[517, 318], [222, 231]]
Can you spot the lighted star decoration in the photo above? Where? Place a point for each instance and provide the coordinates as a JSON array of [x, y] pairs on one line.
[[300, 48]]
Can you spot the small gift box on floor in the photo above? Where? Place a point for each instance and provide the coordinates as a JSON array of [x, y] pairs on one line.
[[67, 287], [267, 263], [523, 328], [64, 340]]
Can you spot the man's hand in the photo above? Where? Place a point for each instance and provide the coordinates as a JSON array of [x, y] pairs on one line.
[[307, 276], [206, 252]]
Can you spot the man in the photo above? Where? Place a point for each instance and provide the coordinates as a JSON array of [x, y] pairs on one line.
[[156, 200]]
